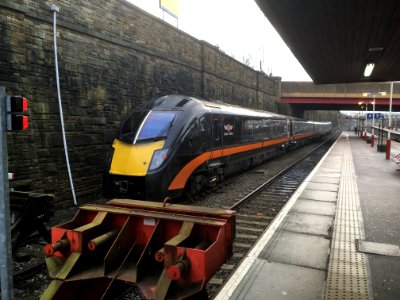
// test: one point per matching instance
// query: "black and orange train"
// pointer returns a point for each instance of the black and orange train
(177, 144)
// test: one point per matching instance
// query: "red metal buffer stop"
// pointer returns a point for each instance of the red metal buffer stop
(167, 251)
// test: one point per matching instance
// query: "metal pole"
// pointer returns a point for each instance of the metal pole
(366, 113)
(390, 108)
(373, 115)
(373, 123)
(388, 142)
(6, 274)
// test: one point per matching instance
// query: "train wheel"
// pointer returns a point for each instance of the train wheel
(195, 185)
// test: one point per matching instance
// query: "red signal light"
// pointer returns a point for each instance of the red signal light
(17, 122)
(24, 104)
(17, 112)
(25, 123)
(17, 104)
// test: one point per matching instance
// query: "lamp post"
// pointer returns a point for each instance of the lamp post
(366, 115)
(360, 130)
(363, 134)
(388, 141)
(373, 123)
(373, 113)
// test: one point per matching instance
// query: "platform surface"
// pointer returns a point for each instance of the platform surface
(336, 238)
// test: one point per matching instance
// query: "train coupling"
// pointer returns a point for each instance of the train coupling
(166, 250)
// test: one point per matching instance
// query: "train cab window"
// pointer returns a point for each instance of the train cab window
(156, 126)
(131, 125)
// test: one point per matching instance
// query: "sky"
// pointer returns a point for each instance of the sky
(237, 27)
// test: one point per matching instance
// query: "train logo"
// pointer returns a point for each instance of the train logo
(228, 129)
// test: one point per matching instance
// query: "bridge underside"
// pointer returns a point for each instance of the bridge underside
(334, 40)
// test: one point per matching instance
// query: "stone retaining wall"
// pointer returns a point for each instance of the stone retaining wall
(112, 57)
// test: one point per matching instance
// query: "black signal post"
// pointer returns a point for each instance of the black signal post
(14, 113)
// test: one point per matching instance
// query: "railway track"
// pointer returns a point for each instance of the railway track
(258, 204)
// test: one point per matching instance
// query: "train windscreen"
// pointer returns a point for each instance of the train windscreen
(155, 126)
(131, 125)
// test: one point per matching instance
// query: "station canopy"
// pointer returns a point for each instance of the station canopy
(335, 40)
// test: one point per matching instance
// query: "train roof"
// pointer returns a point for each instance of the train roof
(181, 102)
(237, 110)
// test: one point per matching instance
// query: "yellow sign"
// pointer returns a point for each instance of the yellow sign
(170, 6)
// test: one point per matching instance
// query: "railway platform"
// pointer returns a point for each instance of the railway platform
(337, 237)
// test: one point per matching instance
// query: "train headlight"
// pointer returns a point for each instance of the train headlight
(159, 157)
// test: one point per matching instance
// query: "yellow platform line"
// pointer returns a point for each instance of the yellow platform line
(348, 270)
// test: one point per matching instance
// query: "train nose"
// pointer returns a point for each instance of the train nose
(128, 187)
(133, 160)
(122, 186)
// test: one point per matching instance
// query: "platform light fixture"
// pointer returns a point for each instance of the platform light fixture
(375, 49)
(368, 69)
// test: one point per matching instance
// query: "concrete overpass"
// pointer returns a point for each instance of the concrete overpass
(303, 96)
(335, 40)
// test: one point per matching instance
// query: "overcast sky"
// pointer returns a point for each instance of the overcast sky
(239, 28)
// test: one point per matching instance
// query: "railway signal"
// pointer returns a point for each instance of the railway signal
(17, 113)
(6, 278)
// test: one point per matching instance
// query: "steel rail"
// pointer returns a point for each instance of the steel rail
(279, 174)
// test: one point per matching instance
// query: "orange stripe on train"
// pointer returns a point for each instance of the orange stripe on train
(181, 178)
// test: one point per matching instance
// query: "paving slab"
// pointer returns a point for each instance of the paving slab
(315, 207)
(319, 195)
(308, 223)
(324, 179)
(270, 280)
(330, 187)
(378, 248)
(298, 249)
(328, 174)
(329, 170)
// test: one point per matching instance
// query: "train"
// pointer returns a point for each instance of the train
(176, 145)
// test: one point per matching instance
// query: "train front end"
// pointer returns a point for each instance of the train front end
(137, 163)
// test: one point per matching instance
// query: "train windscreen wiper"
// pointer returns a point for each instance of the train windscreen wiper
(164, 132)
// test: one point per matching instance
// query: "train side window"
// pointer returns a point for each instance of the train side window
(216, 129)
(282, 128)
(248, 130)
(238, 129)
(202, 124)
